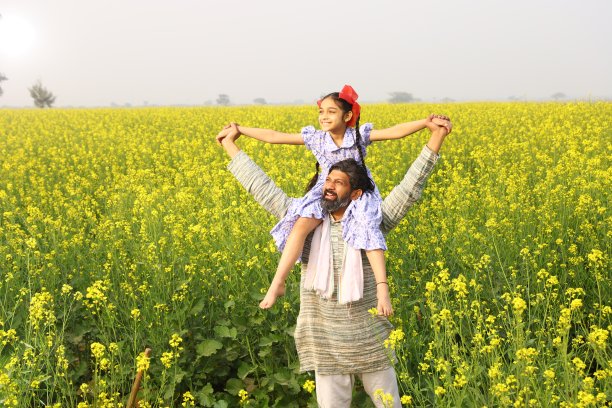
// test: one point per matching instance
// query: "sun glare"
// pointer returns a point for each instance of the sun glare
(17, 36)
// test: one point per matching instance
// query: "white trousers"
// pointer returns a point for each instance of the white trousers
(336, 390)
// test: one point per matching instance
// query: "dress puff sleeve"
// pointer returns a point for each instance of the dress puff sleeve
(365, 130)
(308, 134)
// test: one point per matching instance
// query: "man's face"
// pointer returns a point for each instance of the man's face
(337, 192)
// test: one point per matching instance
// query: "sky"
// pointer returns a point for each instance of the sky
(98, 53)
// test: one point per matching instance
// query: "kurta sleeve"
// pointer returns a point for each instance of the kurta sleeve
(408, 191)
(259, 185)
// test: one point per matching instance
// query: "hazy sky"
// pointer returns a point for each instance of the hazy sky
(92, 53)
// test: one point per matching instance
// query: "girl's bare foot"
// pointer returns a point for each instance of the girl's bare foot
(275, 290)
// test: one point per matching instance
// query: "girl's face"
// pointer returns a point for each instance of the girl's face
(331, 117)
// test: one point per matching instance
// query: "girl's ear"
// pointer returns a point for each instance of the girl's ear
(348, 116)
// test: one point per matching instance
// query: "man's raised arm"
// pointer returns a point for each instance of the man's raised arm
(255, 180)
(408, 191)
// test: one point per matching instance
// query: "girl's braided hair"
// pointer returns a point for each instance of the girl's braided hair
(345, 107)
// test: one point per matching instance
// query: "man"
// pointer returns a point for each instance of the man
(340, 341)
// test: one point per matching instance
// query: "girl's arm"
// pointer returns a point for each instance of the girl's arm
(408, 128)
(272, 136)
(397, 131)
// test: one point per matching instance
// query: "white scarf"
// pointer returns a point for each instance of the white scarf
(320, 269)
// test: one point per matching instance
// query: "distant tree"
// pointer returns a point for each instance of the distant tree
(223, 100)
(2, 78)
(558, 95)
(259, 101)
(42, 97)
(400, 97)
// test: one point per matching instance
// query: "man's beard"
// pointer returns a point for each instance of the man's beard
(331, 206)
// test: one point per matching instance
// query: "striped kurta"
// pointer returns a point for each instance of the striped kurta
(331, 338)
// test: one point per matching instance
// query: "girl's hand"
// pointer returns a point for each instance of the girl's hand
(440, 117)
(383, 306)
(434, 122)
(234, 133)
(225, 132)
(221, 135)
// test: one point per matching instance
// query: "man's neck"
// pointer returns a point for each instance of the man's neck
(338, 214)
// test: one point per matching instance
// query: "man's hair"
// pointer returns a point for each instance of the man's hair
(357, 174)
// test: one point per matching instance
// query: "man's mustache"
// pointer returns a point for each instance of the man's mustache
(328, 191)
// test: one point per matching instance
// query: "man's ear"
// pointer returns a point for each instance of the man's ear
(355, 194)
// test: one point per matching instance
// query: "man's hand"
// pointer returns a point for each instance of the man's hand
(434, 122)
(233, 133)
(227, 138)
(438, 131)
(225, 132)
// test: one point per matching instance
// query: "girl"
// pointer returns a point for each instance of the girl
(340, 138)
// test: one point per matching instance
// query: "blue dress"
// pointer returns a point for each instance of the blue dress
(362, 219)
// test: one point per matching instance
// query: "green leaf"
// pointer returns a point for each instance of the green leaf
(221, 331)
(208, 347)
(244, 370)
(234, 385)
(255, 294)
(168, 392)
(232, 353)
(224, 331)
(266, 341)
(229, 304)
(283, 377)
(198, 307)
(264, 352)
(205, 396)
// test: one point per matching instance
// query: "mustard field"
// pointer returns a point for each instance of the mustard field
(121, 229)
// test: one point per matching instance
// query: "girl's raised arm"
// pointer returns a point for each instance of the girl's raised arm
(408, 128)
(397, 131)
(272, 136)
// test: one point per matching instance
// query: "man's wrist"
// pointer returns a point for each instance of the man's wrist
(230, 147)
(435, 141)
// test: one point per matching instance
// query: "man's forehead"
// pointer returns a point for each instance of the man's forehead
(338, 175)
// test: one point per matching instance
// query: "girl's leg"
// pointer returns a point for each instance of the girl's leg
(291, 253)
(377, 261)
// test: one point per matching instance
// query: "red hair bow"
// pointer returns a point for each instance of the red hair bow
(348, 94)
